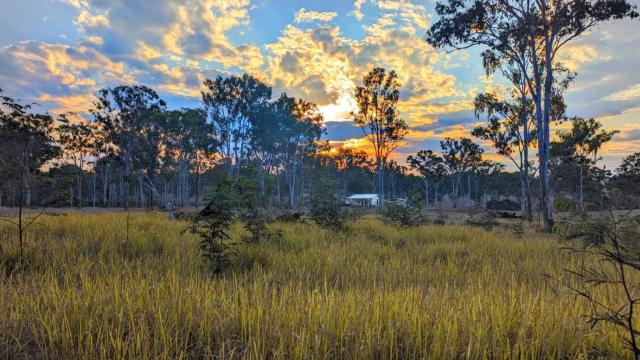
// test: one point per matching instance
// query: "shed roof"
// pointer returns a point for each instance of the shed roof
(363, 196)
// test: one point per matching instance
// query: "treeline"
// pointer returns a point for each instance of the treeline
(135, 151)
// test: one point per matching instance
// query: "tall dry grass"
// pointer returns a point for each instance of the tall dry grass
(375, 291)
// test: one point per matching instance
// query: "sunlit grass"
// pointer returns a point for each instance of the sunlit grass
(375, 291)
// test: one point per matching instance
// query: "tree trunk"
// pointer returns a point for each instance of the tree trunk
(426, 191)
(197, 182)
(380, 171)
(527, 210)
(547, 210)
(156, 195)
(581, 197)
(94, 195)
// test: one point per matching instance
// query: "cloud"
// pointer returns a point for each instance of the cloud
(324, 65)
(86, 20)
(303, 16)
(173, 45)
(357, 9)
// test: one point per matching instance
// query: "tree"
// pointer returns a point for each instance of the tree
(26, 145)
(461, 156)
(190, 140)
(230, 102)
(627, 178)
(509, 131)
(265, 127)
(529, 35)
(487, 169)
(378, 117)
(583, 142)
(121, 112)
(430, 165)
(299, 129)
(76, 140)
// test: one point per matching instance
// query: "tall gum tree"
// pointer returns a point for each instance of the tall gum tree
(378, 117)
(529, 34)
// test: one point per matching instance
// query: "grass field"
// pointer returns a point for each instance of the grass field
(375, 291)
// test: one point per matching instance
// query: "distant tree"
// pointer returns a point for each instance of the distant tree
(486, 169)
(230, 102)
(299, 130)
(461, 156)
(355, 170)
(627, 177)
(77, 145)
(122, 112)
(530, 36)
(378, 117)
(511, 135)
(190, 140)
(630, 165)
(430, 165)
(583, 142)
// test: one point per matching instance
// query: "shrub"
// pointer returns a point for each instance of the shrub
(393, 213)
(505, 204)
(255, 221)
(564, 204)
(613, 242)
(482, 220)
(326, 213)
(325, 208)
(213, 225)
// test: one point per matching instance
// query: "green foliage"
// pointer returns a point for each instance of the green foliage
(564, 204)
(613, 241)
(255, 221)
(325, 207)
(396, 214)
(482, 220)
(213, 225)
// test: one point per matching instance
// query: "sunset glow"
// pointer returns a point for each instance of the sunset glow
(60, 52)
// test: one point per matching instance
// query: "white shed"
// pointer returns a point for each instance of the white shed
(364, 200)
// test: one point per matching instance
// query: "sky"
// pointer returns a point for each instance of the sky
(58, 53)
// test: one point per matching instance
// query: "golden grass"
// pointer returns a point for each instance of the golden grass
(376, 292)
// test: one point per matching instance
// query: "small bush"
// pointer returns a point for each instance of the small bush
(327, 213)
(505, 204)
(393, 213)
(564, 204)
(255, 221)
(482, 220)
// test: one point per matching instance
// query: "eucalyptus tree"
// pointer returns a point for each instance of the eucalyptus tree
(299, 131)
(510, 135)
(122, 112)
(190, 139)
(377, 115)
(627, 177)
(529, 35)
(229, 103)
(486, 169)
(461, 156)
(584, 140)
(431, 167)
(26, 145)
(77, 145)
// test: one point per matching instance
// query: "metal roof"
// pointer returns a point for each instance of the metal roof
(363, 196)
